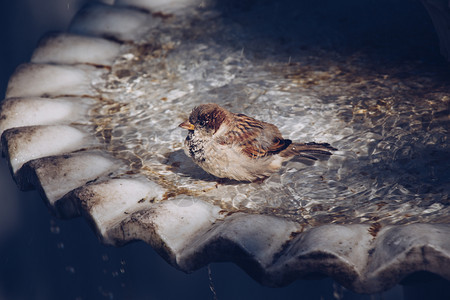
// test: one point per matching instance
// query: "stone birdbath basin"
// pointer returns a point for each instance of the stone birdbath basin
(91, 122)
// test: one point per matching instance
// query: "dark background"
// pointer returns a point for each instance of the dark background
(45, 258)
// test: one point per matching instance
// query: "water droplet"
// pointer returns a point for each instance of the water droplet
(60, 245)
(122, 270)
(115, 274)
(106, 294)
(70, 269)
(105, 257)
(55, 229)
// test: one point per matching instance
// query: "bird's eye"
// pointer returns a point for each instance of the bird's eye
(202, 123)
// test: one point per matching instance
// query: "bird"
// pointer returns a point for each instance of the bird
(239, 147)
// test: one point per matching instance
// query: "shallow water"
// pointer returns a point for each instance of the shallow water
(387, 113)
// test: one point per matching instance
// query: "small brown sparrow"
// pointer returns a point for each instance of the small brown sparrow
(235, 146)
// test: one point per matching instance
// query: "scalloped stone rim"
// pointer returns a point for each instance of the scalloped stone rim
(47, 152)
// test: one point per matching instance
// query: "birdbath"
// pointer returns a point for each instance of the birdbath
(92, 123)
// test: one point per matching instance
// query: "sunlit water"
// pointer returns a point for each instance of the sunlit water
(388, 117)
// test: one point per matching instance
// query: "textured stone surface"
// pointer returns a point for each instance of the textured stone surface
(161, 6)
(108, 203)
(92, 124)
(66, 48)
(112, 22)
(58, 175)
(42, 111)
(23, 144)
(35, 80)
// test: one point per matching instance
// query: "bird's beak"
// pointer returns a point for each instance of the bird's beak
(187, 125)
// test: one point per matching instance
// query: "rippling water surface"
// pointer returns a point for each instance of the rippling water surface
(387, 113)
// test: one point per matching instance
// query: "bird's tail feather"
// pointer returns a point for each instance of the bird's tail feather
(312, 151)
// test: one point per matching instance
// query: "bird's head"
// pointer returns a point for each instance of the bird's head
(205, 119)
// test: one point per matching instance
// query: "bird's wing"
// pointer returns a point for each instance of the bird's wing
(256, 138)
